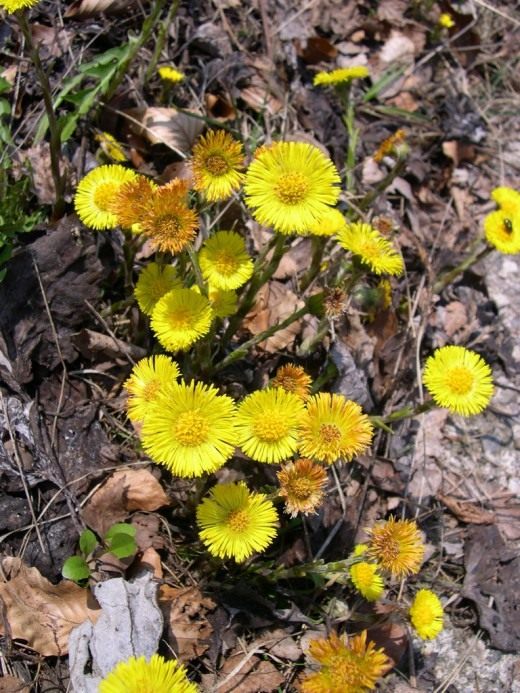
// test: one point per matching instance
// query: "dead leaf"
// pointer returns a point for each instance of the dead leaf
(398, 49)
(150, 560)
(467, 512)
(125, 491)
(176, 129)
(315, 49)
(82, 9)
(393, 638)
(274, 302)
(92, 344)
(41, 613)
(184, 610)
(253, 675)
(459, 151)
(10, 684)
(219, 107)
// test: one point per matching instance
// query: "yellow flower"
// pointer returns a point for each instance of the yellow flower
(502, 230)
(223, 303)
(333, 427)
(167, 219)
(217, 160)
(13, 5)
(267, 425)
(293, 378)
(360, 549)
(131, 201)
(507, 199)
(235, 522)
(290, 185)
(426, 614)
(342, 75)
(148, 377)
(154, 281)
(190, 428)
(224, 261)
(302, 485)
(180, 318)
(170, 74)
(137, 675)
(367, 580)
(329, 223)
(372, 248)
(110, 146)
(96, 192)
(458, 379)
(397, 546)
(446, 20)
(347, 665)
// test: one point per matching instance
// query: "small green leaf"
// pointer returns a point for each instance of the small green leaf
(75, 568)
(120, 528)
(87, 542)
(122, 545)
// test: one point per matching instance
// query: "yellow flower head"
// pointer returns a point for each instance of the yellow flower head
(389, 145)
(235, 522)
(426, 614)
(110, 147)
(154, 281)
(217, 161)
(224, 261)
(372, 248)
(397, 546)
(13, 5)
(224, 303)
(347, 666)
(302, 485)
(96, 192)
(170, 74)
(290, 185)
(148, 377)
(329, 223)
(131, 201)
(137, 675)
(343, 75)
(458, 379)
(446, 20)
(267, 424)
(367, 580)
(293, 378)
(190, 428)
(333, 427)
(167, 219)
(502, 230)
(507, 199)
(180, 318)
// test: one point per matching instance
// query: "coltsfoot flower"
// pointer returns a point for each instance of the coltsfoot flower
(153, 282)
(427, 614)
(180, 318)
(137, 675)
(167, 219)
(367, 580)
(372, 248)
(302, 485)
(343, 75)
(95, 194)
(293, 378)
(217, 162)
(397, 546)
(14, 5)
(502, 231)
(224, 261)
(171, 74)
(148, 377)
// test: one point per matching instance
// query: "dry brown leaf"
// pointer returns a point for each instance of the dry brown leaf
(467, 512)
(150, 559)
(184, 610)
(82, 9)
(41, 613)
(274, 303)
(254, 675)
(176, 129)
(10, 684)
(125, 491)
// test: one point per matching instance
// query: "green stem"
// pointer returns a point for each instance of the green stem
(407, 412)
(199, 280)
(318, 247)
(161, 39)
(353, 136)
(447, 277)
(308, 345)
(371, 196)
(54, 128)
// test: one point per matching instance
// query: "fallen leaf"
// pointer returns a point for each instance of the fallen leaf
(122, 493)
(150, 560)
(10, 684)
(219, 107)
(315, 49)
(82, 9)
(184, 610)
(398, 49)
(39, 612)
(467, 512)
(274, 302)
(252, 675)
(176, 129)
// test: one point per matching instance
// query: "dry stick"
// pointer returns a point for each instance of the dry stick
(122, 347)
(447, 277)
(21, 471)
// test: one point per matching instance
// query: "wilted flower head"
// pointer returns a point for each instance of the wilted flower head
(335, 302)
(426, 614)
(293, 378)
(167, 220)
(130, 202)
(217, 162)
(302, 485)
(397, 546)
(389, 145)
(137, 675)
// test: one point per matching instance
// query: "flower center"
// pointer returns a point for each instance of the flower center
(225, 263)
(103, 196)
(168, 225)
(389, 549)
(150, 390)
(460, 380)
(238, 521)
(269, 428)
(216, 165)
(369, 249)
(302, 488)
(190, 429)
(292, 188)
(330, 433)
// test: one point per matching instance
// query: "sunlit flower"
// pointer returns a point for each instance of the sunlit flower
(446, 20)
(347, 665)
(110, 146)
(397, 546)
(329, 223)
(153, 282)
(342, 75)
(217, 161)
(372, 248)
(95, 193)
(267, 424)
(290, 185)
(223, 303)
(170, 74)
(333, 427)
(167, 220)
(130, 202)
(148, 377)
(502, 230)
(458, 379)
(302, 485)
(293, 378)
(137, 675)
(389, 145)
(427, 614)
(180, 318)
(190, 428)
(507, 199)
(235, 522)
(13, 5)
(367, 580)
(224, 261)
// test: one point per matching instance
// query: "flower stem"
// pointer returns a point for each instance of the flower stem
(161, 39)
(318, 247)
(199, 280)
(353, 135)
(447, 277)
(407, 412)
(371, 196)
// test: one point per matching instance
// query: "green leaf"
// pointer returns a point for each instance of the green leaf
(75, 568)
(87, 542)
(120, 528)
(386, 78)
(4, 85)
(122, 545)
(5, 107)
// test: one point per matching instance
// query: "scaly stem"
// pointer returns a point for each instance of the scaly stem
(54, 128)
(353, 135)
(199, 280)
(382, 185)
(447, 277)
(407, 412)
(318, 248)
(161, 39)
